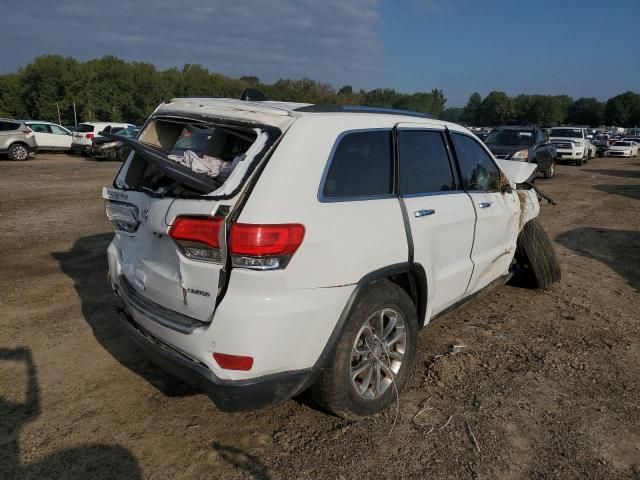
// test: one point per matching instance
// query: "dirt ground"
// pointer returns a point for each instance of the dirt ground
(548, 382)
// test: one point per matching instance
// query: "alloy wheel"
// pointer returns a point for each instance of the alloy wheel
(378, 353)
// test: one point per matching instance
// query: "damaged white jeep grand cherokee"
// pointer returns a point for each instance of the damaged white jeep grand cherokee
(335, 234)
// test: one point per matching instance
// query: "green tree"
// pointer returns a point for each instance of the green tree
(471, 113)
(623, 110)
(586, 111)
(495, 109)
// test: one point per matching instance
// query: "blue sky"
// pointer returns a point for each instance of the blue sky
(578, 47)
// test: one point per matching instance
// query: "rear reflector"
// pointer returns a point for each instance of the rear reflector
(233, 362)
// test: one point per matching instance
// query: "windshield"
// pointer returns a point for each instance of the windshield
(566, 132)
(510, 137)
(622, 144)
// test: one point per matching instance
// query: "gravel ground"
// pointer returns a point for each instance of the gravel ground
(547, 384)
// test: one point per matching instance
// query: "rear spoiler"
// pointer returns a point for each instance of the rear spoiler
(171, 169)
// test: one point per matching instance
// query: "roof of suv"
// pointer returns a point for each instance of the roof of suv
(277, 113)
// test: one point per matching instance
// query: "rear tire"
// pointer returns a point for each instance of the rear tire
(536, 259)
(354, 395)
(18, 152)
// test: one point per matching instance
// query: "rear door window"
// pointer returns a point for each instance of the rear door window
(424, 163)
(40, 127)
(58, 130)
(479, 173)
(361, 166)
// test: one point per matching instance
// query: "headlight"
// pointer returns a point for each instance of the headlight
(520, 155)
(110, 144)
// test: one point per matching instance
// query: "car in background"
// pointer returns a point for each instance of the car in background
(85, 132)
(601, 142)
(572, 144)
(17, 141)
(524, 144)
(50, 136)
(108, 148)
(623, 149)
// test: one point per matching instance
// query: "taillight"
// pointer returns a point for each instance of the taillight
(233, 362)
(90, 136)
(198, 237)
(264, 247)
(123, 216)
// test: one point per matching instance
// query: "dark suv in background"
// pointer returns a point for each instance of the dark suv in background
(525, 144)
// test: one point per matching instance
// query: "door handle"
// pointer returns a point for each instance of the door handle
(484, 204)
(423, 213)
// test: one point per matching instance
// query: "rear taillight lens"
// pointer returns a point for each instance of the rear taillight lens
(233, 362)
(198, 237)
(90, 136)
(264, 247)
(123, 216)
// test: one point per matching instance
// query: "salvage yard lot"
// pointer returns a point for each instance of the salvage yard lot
(548, 382)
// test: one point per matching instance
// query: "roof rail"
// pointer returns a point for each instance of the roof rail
(328, 108)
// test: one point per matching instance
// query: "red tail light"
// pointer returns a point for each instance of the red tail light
(90, 136)
(263, 240)
(199, 237)
(233, 362)
(264, 247)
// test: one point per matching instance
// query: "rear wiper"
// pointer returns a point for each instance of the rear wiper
(168, 167)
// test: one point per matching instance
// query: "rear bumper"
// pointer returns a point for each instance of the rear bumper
(80, 147)
(228, 395)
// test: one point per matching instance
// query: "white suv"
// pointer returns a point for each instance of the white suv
(262, 248)
(84, 134)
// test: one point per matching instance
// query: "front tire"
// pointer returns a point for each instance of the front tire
(549, 172)
(374, 356)
(18, 152)
(536, 259)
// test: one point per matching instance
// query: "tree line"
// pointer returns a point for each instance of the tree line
(111, 89)
(498, 108)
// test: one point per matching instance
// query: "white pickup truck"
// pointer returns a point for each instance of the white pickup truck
(573, 144)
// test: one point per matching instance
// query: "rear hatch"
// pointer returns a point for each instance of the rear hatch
(152, 263)
(158, 185)
(83, 134)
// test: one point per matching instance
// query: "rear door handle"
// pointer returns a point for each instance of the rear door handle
(484, 204)
(423, 213)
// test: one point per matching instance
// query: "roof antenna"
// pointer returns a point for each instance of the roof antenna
(252, 95)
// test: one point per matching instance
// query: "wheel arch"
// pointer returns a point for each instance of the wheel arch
(411, 277)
